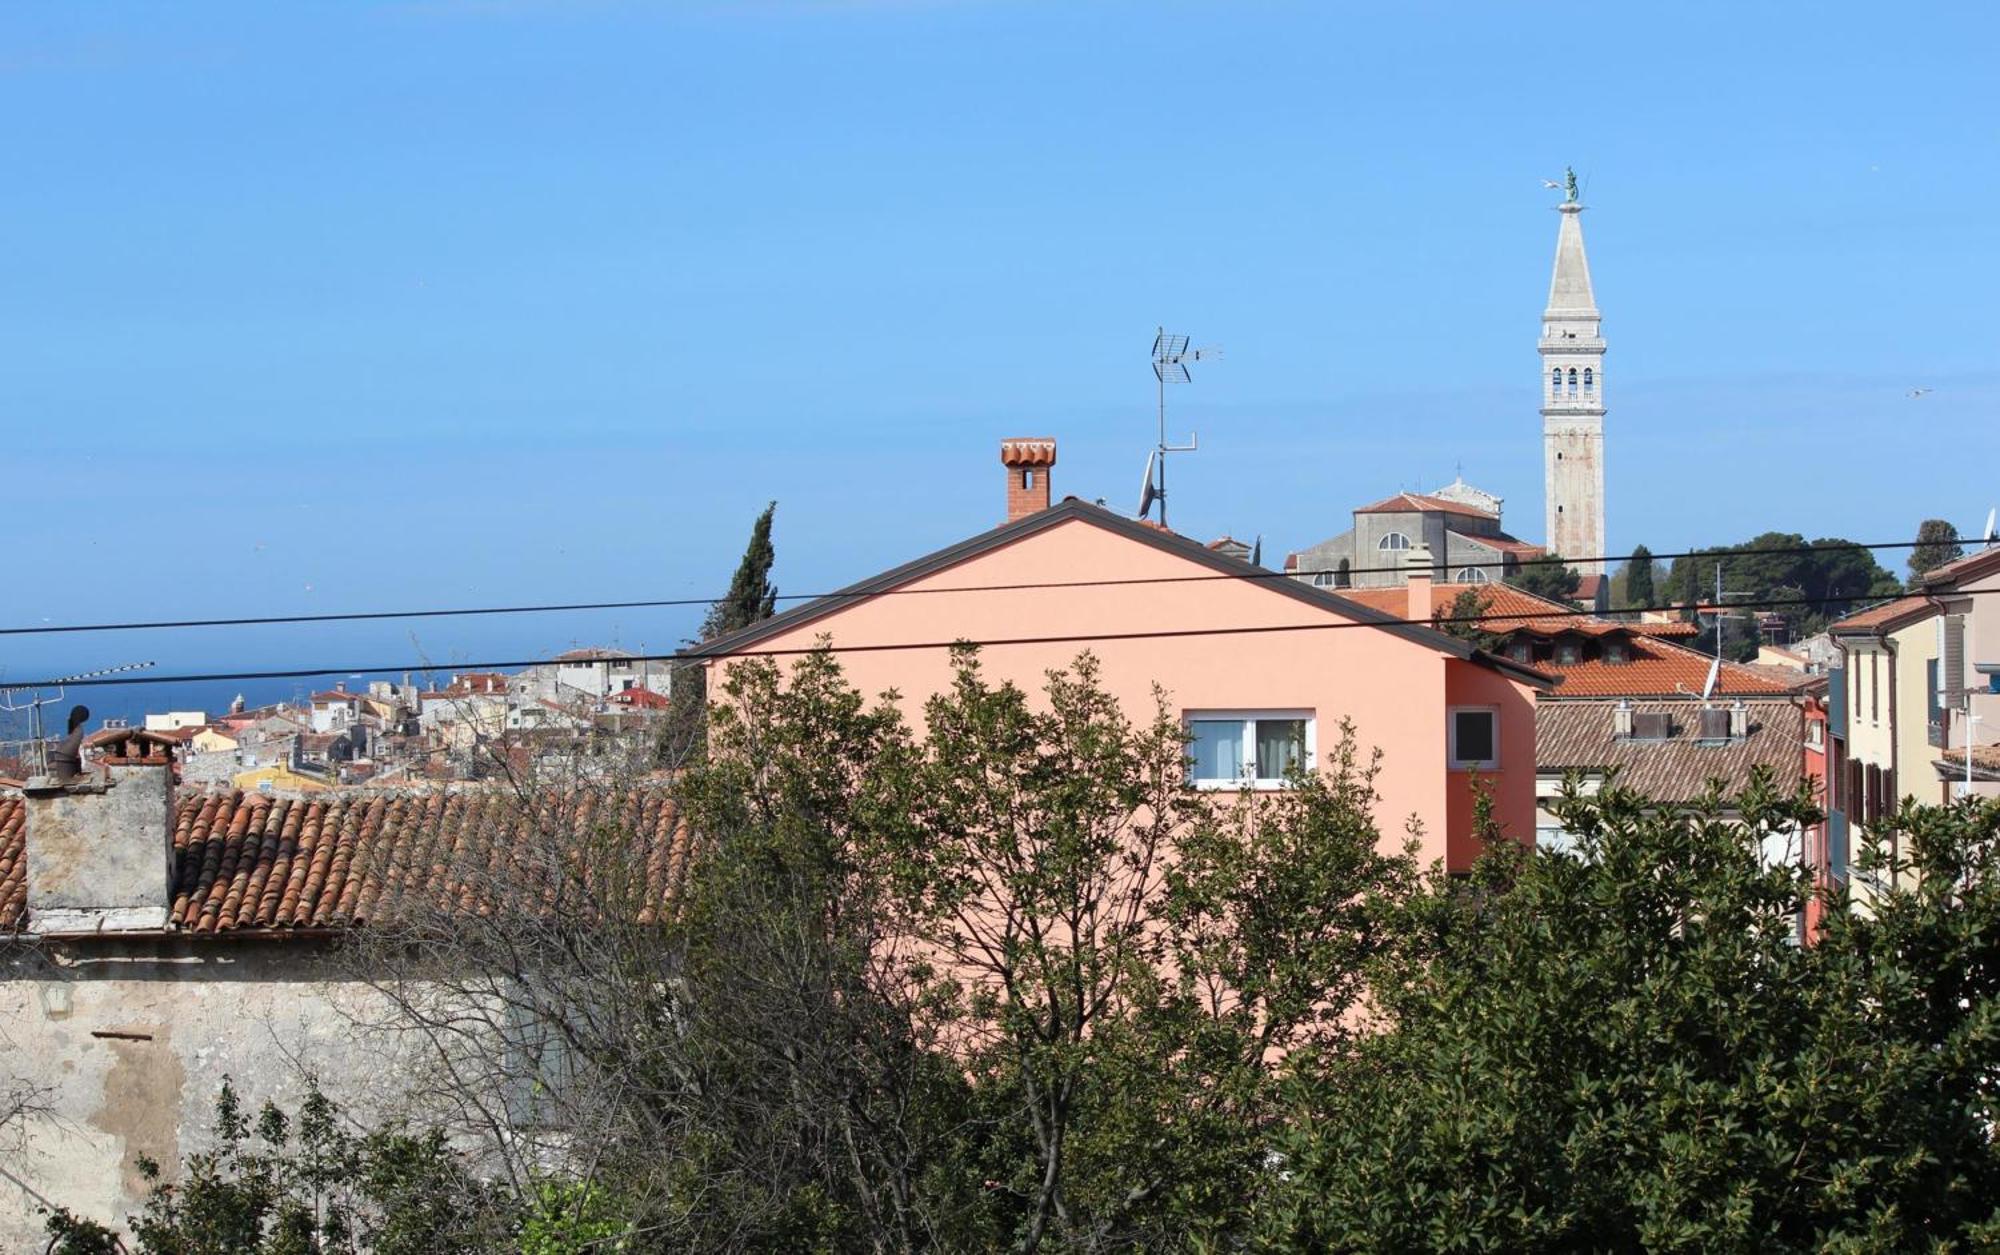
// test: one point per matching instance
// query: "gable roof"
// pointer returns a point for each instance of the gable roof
(1579, 736)
(1074, 510)
(1656, 667)
(1416, 502)
(246, 864)
(1970, 567)
(1885, 617)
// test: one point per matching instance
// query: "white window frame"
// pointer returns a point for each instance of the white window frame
(1248, 718)
(1452, 759)
(1407, 544)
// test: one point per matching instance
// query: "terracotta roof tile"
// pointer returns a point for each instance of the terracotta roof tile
(1657, 667)
(1406, 502)
(1888, 614)
(1971, 566)
(1579, 735)
(245, 863)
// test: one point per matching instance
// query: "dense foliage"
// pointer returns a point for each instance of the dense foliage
(1937, 544)
(1624, 1047)
(1808, 584)
(1546, 576)
(1639, 590)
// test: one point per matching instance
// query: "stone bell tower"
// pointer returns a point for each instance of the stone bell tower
(1572, 352)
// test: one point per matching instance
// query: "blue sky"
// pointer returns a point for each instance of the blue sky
(315, 307)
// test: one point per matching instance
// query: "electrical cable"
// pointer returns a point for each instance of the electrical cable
(1435, 622)
(664, 603)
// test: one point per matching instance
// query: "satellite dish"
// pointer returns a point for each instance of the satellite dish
(1714, 673)
(1147, 493)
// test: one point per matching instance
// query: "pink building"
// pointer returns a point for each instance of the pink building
(1260, 667)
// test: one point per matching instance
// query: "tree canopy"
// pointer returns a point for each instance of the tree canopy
(1808, 584)
(1937, 544)
(1639, 578)
(1547, 577)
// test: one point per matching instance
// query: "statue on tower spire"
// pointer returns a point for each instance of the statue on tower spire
(1569, 184)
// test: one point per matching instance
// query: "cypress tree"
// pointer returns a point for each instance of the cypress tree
(1639, 578)
(751, 598)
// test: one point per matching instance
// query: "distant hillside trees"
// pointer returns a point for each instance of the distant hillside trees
(1809, 584)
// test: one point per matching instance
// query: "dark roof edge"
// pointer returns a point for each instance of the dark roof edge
(1075, 509)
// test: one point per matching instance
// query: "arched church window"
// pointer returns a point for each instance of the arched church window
(1588, 381)
(1556, 382)
(1394, 540)
(1472, 575)
(1572, 381)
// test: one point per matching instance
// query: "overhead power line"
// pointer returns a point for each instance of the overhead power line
(1077, 638)
(670, 602)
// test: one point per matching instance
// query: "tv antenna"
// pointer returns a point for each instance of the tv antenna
(1171, 356)
(11, 701)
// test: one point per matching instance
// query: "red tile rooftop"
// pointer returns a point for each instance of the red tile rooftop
(1408, 502)
(247, 864)
(1889, 615)
(1657, 666)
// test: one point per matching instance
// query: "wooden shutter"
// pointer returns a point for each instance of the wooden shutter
(1951, 660)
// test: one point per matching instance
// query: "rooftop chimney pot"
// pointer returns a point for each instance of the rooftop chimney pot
(1030, 460)
(1417, 565)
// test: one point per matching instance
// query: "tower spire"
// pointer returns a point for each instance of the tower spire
(1572, 356)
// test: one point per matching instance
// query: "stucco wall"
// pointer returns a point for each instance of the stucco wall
(1392, 688)
(130, 1043)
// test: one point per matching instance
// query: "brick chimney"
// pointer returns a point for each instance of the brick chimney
(1029, 461)
(100, 849)
(1417, 563)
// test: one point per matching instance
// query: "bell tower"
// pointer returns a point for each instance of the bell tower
(1572, 353)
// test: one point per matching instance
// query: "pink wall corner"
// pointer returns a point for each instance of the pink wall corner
(1512, 784)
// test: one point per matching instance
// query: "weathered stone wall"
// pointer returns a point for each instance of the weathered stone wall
(126, 1043)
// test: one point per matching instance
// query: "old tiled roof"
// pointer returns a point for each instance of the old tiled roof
(1505, 544)
(247, 864)
(1886, 616)
(1659, 668)
(1409, 502)
(1985, 762)
(1578, 735)
(1508, 607)
(13, 865)
(1656, 668)
(1971, 566)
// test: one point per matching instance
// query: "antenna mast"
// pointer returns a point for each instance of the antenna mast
(1171, 356)
(10, 702)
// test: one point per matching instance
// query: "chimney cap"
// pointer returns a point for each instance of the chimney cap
(133, 747)
(1028, 451)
